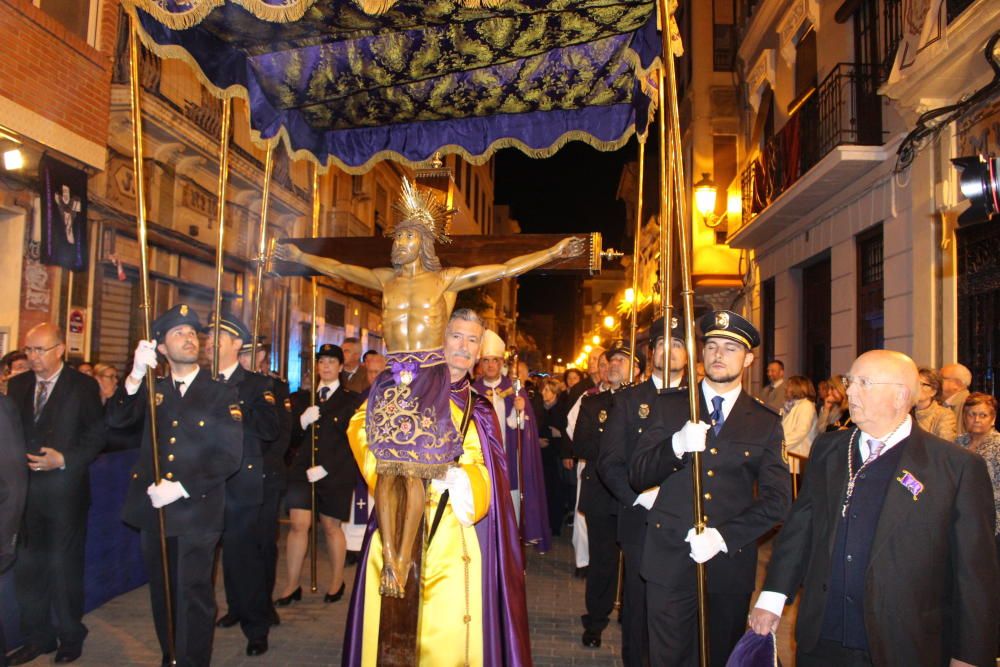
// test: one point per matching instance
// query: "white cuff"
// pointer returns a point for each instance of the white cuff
(132, 389)
(460, 495)
(647, 498)
(772, 602)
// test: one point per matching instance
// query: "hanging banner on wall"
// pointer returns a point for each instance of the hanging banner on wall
(64, 214)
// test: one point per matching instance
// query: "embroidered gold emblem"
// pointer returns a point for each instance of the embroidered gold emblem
(159, 398)
(184, 311)
(236, 413)
(288, 404)
(643, 410)
(784, 452)
(602, 416)
(269, 397)
(722, 320)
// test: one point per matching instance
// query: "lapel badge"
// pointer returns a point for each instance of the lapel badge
(288, 404)
(602, 416)
(722, 320)
(911, 484)
(784, 451)
(159, 398)
(643, 410)
(269, 397)
(184, 310)
(236, 413)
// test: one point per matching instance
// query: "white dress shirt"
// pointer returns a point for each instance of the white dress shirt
(728, 398)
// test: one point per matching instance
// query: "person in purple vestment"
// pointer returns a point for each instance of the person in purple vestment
(515, 414)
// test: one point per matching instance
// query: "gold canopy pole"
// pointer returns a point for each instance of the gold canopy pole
(687, 294)
(220, 220)
(666, 230)
(635, 264)
(140, 216)
(312, 390)
(261, 255)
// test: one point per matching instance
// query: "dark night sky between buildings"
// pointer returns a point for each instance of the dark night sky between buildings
(571, 192)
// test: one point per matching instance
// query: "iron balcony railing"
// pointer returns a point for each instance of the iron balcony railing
(844, 109)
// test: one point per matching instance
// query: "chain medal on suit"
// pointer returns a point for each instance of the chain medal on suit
(633, 410)
(601, 511)
(747, 452)
(244, 563)
(49, 569)
(200, 446)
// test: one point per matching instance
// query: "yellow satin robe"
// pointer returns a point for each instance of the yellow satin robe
(450, 625)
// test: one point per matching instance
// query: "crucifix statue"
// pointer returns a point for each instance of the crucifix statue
(408, 421)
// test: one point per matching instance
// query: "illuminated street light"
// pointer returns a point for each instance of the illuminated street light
(13, 159)
(596, 340)
(587, 349)
(629, 295)
(609, 322)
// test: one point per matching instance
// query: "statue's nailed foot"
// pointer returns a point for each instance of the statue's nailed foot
(389, 585)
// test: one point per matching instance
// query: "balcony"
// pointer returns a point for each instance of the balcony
(832, 138)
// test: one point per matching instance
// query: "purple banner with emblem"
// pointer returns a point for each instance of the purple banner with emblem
(64, 214)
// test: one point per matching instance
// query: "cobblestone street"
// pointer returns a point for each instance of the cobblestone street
(311, 632)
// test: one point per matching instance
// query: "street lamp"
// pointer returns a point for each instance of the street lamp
(629, 295)
(587, 349)
(609, 322)
(596, 340)
(704, 200)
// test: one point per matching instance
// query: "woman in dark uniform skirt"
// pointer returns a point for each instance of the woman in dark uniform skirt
(334, 475)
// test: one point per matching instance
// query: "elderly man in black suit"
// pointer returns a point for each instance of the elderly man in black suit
(746, 490)
(13, 488)
(890, 539)
(61, 415)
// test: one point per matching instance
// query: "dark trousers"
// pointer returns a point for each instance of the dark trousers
(602, 574)
(191, 558)
(827, 653)
(267, 537)
(244, 570)
(635, 636)
(48, 574)
(673, 625)
(554, 487)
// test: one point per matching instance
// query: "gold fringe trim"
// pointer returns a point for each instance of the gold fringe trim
(175, 52)
(407, 469)
(291, 10)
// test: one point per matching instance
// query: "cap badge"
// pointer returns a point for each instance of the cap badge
(602, 416)
(184, 310)
(722, 320)
(269, 397)
(159, 398)
(643, 410)
(673, 322)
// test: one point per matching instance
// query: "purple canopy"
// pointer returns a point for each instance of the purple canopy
(350, 88)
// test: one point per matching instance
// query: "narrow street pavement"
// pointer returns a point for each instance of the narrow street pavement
(311, 632)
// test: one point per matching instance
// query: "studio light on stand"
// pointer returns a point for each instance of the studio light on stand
(979, 181)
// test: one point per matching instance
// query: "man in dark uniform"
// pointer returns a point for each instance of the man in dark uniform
(744, 450)
(61, 414)
(632, 411)
(244, 566)
(200, 436)
(597, 503)
(275, 473)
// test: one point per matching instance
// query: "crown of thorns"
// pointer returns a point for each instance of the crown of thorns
(421, 208)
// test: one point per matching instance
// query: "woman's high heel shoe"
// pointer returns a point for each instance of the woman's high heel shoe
(295, 596)
(336, 596)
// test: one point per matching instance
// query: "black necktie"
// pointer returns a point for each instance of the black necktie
(323, 393)
(179, 386)
(718, 417)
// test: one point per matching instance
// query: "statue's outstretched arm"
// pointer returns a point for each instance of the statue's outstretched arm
(359, 275)
(480, 275)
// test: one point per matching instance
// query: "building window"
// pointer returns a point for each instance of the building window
(871, 303)
(767, 324)
(79, 18)
(724, 36)
(335, 313)
(724, 164)
(816, 329)
(805, 67)
(878, 27)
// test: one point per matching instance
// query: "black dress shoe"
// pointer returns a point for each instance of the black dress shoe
(295, 596)
(28, 652)
(580, 572)
(228, 621)
(591, 639)
(68, 654)
(336, 597)
(257, 647)
(274, 619)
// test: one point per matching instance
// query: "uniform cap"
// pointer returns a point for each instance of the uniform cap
(727, 324)
(179, 315)
(330, 350)
(232, 325)
(656, 330)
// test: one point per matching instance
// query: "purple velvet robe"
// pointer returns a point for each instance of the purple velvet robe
(506, 639)
(536, 509)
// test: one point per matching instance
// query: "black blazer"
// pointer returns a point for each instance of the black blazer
(275, 468)
(595, 498)
(333, 451)
(932, 585)
(72, 423)
(261, 428)
(631, 413)
(13, 479)
(200, 439)
(746, 487)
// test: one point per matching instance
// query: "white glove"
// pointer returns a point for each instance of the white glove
(705, 546)
(647, 498)
(166, 492)
(310, 415)
(143, 360)
(459, 488)
(316, 473)
(691, 438)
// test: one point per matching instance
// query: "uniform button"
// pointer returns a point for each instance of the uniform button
(169, 475)
(849, 599)
(170, 457)
(135, 475)
(704, 517)
(250, 466)
(640, 430)
(850, 558)
(174, 423)
(711, 473)
(657, 524)
(172, 440)
(201, 423)
(746, 452)
(862, 475)
(713, 450)
(315, 449)
(708, 496)
(336, 419)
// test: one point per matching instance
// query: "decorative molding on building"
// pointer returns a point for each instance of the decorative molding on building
(763, 73)
(798, 19)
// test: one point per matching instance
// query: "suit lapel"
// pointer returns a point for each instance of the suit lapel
(898, 501)
(55, 394)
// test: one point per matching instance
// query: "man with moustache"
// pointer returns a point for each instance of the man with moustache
(746, 491)
(475, 539)
(244, 563)
(632, 411)
(354, 376)
(200, 438)
(890, 539)
(61, 417)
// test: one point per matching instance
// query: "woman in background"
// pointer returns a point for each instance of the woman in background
(930, 414)
(798, 419)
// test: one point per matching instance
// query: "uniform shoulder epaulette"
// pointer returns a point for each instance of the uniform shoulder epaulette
(765, 406)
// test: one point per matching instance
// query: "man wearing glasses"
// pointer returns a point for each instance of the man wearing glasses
(890, 539)
(61, 415)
